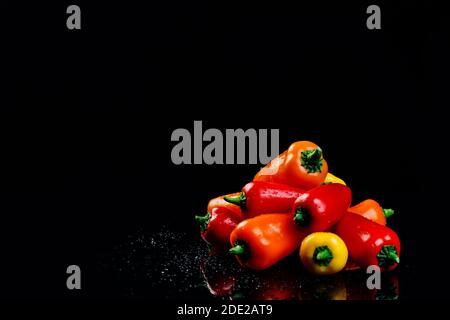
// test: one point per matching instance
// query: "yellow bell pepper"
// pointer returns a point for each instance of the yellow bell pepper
(323, 253)
(331, 178)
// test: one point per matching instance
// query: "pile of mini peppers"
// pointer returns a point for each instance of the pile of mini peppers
(294, 203)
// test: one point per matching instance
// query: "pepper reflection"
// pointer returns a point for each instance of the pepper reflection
(390, 288)
(220, 273)
(323, 288)
(289, 281)
(280, 282)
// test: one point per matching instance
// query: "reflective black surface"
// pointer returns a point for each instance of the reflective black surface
(86, 176)
(174, 265)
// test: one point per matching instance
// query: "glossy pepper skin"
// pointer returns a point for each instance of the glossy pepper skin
(323, 253)
(262, 241)
(368, 242)
(259, 198)
(217, 225)
(370, 209)
(301, 166)
(320, 208)
(220, 202)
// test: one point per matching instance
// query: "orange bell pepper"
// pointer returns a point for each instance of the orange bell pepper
(262, 241)
(301, 166)
(372, 210)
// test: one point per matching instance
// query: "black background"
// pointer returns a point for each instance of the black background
(87, 117)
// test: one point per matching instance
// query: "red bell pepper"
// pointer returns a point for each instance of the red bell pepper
(369, 243)
(220, 202)
(320, 208)
(216, 226)
(259, 197)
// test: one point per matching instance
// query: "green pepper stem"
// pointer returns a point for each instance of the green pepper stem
(394, 257)
(241, 249)
(302, 217)
(238, 250)
(388, 256)
(312, 160)
(315, 155)
(203, 221)
(237, 200)
(388, 212)
(322, 256)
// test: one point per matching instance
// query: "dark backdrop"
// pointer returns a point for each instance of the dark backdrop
(87, 118)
